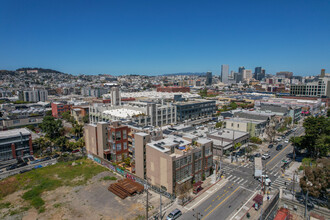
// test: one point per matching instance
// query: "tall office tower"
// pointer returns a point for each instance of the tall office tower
(208, 78)
(238, 77)
(224, 73)
(263, 74)
(257, 72)
(247, 74)
(322, 72)
(115, 96)
(240, 69)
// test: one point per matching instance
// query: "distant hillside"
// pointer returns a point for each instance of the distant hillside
(185, 74)
(40, 70)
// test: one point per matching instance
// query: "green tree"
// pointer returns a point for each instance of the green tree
(49, 113)
(233, 105)
(77, 130)
(86, 119)
(203, 92)
(328, 113)
(237, 145)
(316, 138)
(256, 140)
(52, 127)
(287, 121)
(219, 124)
(127, 161)
(62, 143)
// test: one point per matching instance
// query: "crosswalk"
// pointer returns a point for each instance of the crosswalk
(236, 179)
(281, 183)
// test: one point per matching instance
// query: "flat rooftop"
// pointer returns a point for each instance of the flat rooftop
(228, 134)
(14, 133)
(122, 112)
(164, 145)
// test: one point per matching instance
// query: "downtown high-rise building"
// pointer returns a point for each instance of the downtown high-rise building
(259, 73)
(240, 69)
(208, 79)
(224, 73)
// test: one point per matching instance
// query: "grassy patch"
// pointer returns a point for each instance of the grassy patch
(109, 178)
(49, 178)
(308, 161)
(57, 205)
(5, 205)
(282, 129)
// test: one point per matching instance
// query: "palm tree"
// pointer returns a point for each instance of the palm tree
(77, 130)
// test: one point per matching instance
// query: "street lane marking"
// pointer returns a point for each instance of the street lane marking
(244, 204)
(207, 196)
(220, 203)
(208, 207)
(278, 154)
(240, 181)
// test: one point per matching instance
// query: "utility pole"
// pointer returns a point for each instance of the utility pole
(160, 207)
(197, 215)
(147, 203)
(306, 204)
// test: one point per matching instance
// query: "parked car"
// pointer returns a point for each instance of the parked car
(23, 171)
(14, 166)
(35, 161)
(75, 151)
(56, 156)
(251, 159)
(37, 166)
(279, 139)
(270, 146)
(265, 156)
(257, 155)
(279, 147)
(22, 164)
(286, 141)
(174, 214)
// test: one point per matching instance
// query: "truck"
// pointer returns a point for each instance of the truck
(257, 167)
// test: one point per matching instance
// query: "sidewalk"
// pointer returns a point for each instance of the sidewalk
(248, 207)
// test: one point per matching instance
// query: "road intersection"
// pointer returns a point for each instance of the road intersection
(239, 185)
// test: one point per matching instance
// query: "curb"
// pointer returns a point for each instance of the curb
(204, 190)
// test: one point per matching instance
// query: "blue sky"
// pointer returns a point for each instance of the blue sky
(169, 36)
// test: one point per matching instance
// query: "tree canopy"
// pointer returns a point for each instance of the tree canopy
(52, 127)
(316, 140)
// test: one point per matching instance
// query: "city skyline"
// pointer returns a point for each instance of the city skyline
(154, 38)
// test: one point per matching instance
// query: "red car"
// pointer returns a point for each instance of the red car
(75, 151)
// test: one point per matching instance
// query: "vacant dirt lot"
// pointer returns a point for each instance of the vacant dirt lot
(89, 200)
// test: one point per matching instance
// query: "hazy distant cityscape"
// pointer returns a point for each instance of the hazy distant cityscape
(150, 110)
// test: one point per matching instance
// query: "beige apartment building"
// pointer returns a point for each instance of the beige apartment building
(172, 161)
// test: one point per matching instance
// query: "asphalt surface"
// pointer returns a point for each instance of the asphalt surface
(241, 185)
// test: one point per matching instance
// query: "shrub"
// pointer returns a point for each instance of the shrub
(109, 178)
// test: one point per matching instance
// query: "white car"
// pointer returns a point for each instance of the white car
(286, 141)
(265, 156)
(279, 139)
(265, 179)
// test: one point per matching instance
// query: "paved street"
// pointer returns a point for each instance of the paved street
(241, 185)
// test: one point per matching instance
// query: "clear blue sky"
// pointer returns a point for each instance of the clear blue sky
(169, 36)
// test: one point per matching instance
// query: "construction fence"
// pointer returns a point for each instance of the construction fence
(129, 175)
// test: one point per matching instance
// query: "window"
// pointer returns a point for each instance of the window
(237, 125)
(113, 136)
(119, 147)
(114, 147)
(124, 134)
(177, 164)
(118, 136)
(125, 145)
